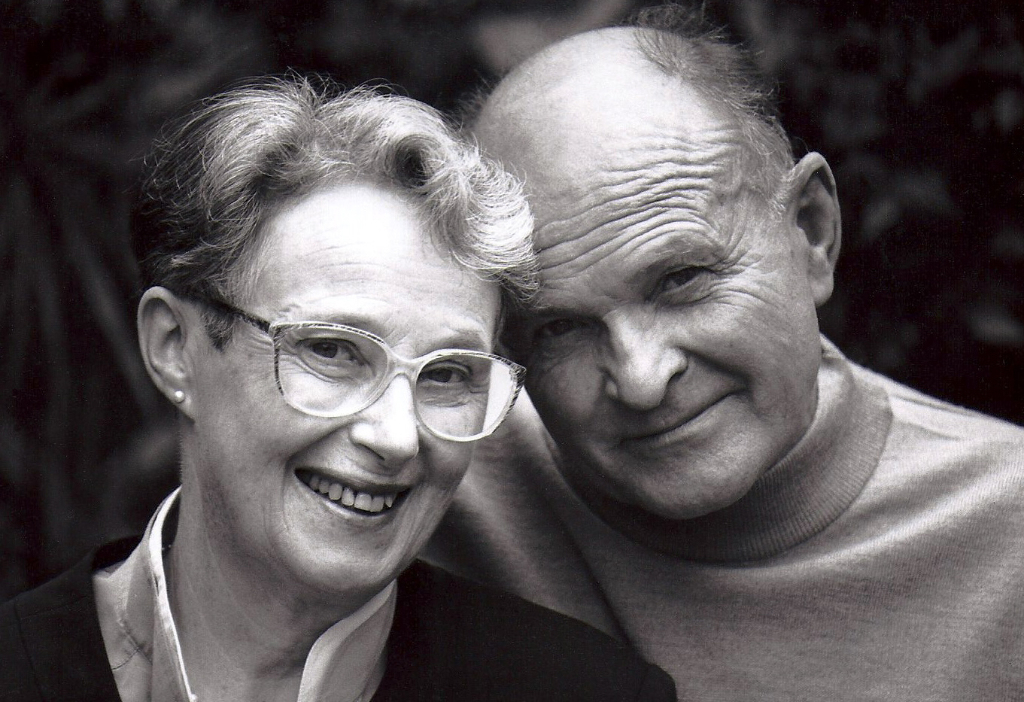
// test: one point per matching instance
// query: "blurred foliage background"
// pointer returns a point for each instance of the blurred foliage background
(918, 105)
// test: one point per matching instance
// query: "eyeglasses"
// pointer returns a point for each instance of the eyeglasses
(334, 370)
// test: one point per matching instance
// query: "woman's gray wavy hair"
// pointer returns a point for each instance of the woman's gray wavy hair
(217, 175)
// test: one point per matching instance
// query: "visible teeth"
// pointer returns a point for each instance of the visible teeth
(363, 501)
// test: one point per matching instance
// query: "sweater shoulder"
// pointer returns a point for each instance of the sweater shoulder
(930, 416)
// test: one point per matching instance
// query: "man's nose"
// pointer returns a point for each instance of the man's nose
(642, 360)
(389, 426)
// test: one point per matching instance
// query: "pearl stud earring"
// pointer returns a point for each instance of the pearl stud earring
(179, 395)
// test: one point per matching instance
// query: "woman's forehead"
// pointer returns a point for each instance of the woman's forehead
(362, 252)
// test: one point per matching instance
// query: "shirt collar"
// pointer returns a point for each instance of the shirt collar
(345, 663)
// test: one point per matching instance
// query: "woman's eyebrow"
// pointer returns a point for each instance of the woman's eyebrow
(458, 338)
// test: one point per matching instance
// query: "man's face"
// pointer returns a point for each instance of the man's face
(673, 349)
(356, 255)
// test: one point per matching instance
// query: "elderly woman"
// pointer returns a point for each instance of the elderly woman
(325, 276)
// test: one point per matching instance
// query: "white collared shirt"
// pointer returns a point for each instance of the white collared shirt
(345, 664)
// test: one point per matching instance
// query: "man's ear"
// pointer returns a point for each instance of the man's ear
(813, 208)
(164, 324)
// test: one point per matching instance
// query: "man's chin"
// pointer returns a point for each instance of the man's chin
(663, 490)
(648, 513)
(628, 503)
(658, 508)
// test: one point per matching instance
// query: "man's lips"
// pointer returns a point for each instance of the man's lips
(352, 497)
(665, 427)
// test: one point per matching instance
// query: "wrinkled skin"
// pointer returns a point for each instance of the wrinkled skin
(260, 558)
(674, 348)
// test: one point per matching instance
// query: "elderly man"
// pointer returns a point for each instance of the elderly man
(721, 487)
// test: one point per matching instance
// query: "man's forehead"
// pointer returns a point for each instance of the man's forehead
(590, 125)
(557, 119)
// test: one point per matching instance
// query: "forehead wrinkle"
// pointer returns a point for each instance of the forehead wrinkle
(710, 152)
(635, 202)
(662, 242)
(626, 231)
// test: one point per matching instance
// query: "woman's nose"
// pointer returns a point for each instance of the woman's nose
(389, 427)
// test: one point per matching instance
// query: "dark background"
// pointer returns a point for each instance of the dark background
(918, 105)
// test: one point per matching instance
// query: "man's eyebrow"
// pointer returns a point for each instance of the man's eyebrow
(681, 248)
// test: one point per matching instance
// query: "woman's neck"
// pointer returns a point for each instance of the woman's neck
(240, 639)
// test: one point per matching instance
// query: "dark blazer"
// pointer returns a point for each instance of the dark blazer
(451, 640)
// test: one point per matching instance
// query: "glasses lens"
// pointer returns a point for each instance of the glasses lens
(465, 395)
(327, 371)
(331, 371)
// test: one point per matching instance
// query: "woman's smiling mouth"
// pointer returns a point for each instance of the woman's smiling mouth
(347, 496)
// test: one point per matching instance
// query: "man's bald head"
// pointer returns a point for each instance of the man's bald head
(555, 115)
(623, 73)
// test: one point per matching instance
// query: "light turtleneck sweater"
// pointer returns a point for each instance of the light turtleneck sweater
(881, 559)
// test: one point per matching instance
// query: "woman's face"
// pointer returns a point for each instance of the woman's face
(357, 255)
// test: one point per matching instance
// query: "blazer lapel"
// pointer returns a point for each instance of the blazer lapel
(61, 634)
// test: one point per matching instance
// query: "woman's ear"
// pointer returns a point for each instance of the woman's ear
(812, 207)
(164, 324)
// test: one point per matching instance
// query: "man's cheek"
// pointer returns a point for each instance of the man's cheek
(564, 392)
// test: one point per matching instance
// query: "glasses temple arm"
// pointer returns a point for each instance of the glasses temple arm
(224, 307)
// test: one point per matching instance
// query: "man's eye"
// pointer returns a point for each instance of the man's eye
(676, 279)
(556, 327)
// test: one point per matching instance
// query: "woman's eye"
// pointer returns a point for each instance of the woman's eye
(331, 349)
(444, 375)
(324, 349)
